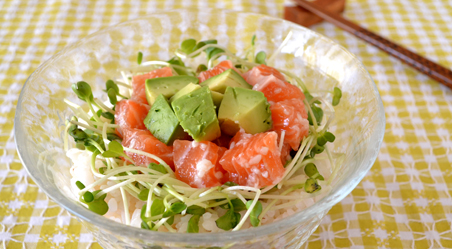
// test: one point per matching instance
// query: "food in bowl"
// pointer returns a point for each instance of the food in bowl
(201, 148)
(41, 113)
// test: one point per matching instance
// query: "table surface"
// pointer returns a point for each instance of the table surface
(403, 202)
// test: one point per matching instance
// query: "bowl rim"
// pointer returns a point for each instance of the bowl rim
(202, 238)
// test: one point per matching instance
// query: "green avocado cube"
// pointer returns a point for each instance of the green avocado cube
(162, 122)
(187, 89)
(244, 108)
(196, 114)
(227, 78)
(168, 86)
(216, 96)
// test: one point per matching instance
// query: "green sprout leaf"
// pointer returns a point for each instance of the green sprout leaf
(325, 137)
(309, 97)
(146, 221)
(73, 126)
(157, 207)
(83, 91)
(158, 167)
(78, 135)
(139, 58)
(88, 197)
(195, 210)
(99, 113)
(188, 46)
(211, 52)
(201, 68)
(317, 149)
(111, 93)
(170, 221)
(168, 213)
(253, 39)
(102, 197)
(110, 84)
(198, 46)
(311, 186)
(147, 225)
(311, 170)
(90, 145)
(329, 137)
(337, 96)
(254, 215)
(98, 206)
(143, 213)
(178, 62)
(321, 140)
(80, 146)
(93, 141)
(318, 114)
(193, 224)
(237, 205)
(112, 90)
(115, 149)
(260, 58)
(212, 41)
(143, 195)
(80, 185)
(102, 170)
(176, 208)
(113, 136)
(108, 115)
(229, 220)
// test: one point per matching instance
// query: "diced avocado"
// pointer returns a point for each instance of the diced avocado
(187, 89)
(167, 86)
(162, 122)
(227, 78)
(196, 114)
(216, 96)
(244, 108)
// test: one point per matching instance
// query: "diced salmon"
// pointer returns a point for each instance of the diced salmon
(221, 67)
(138, 82)
(254, 160)
(241, 134)
(276, 90)
(223, 177)
(258, 73)
(285, 153)
(143, 140)
(130, 114)
(290, 116)
(196, 163)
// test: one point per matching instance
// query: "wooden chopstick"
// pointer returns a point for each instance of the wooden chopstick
(422, 64)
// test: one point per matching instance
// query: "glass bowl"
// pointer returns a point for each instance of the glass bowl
(320, 62)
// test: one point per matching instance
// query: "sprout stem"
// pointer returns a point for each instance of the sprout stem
(126, 206)
(103, 106)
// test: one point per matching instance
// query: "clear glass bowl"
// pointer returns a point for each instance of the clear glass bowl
(320, 62)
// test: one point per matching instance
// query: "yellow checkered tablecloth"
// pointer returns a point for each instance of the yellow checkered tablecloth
(403, 202)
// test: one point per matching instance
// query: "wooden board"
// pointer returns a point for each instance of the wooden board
(303, 17)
